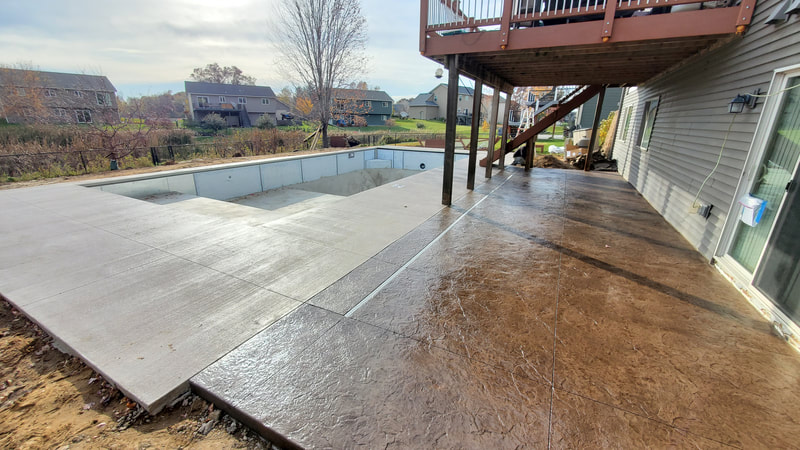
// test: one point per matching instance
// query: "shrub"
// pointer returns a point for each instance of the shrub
(175, 137)
(215, 122)
(359, 121)
(390, 123)
(265, 122)
(420, 125)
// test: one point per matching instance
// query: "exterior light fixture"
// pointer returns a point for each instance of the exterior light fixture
(740, 101)
(439, 73)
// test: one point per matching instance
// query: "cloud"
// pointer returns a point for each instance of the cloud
(158, 43)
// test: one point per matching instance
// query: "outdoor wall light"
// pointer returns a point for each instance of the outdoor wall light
(439, 73)
(740, 101)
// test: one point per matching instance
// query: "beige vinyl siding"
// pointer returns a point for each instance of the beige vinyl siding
(692, 121)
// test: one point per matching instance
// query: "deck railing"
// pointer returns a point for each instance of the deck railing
(461, 16)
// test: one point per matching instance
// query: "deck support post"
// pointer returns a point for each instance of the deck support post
(504, 138)
(492, 131)
(450, 129)
(597, 111)
(530, 152)
(473, 135)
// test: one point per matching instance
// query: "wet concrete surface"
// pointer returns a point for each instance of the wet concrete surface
(545, 309)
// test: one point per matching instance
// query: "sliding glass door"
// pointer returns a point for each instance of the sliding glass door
(771, 249)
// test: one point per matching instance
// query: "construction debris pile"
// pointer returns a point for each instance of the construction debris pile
(598, 162)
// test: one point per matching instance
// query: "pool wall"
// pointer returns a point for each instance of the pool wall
(222, 182)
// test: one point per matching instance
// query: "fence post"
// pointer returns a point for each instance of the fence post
(83, 160)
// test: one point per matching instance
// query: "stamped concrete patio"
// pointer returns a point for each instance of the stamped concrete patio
(544, 309)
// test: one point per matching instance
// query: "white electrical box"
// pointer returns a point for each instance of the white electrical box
(752, 209)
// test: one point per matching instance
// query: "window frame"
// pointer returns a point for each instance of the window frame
(83, 114)
(78, 94)
(49, 93)
(241, 100)
(103, 98)
(626, 123)
(265, 101)
(648, 122)
(203, 101)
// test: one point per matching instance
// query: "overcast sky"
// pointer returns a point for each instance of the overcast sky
(150, 46)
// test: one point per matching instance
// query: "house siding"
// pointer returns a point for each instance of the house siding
(423, 112)
(692, 121)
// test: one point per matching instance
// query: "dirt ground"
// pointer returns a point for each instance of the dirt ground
(49, 399)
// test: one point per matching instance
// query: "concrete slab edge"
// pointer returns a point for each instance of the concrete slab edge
(246, 419)
(63, 347)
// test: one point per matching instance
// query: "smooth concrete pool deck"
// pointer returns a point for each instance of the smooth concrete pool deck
(150, 294)
(548, 309)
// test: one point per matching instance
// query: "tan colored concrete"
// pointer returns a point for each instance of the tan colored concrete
(549, 309)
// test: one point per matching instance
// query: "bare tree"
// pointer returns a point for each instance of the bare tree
(213, 73)
(321, 43)
(22, 95)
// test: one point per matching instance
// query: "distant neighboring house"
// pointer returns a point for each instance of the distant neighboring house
(432, 105)
(239, 105)
(28, 96)
(374, 106)
(401, 107)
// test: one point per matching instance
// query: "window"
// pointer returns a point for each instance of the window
(459, 98)
(627, 122)
(648, 120)
(84, 116)
(265, 101)
(222, 99)
(78, 94)
(531, 96)
(435, 98)
(385, 104)
(242, 100)
(202, 102)
(384, 118)
(49, 93)
(60, 113)
(103, 98)
(21, 91)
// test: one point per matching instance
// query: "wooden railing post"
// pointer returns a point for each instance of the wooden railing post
(608, 20)
(505, 23)
(423, 24)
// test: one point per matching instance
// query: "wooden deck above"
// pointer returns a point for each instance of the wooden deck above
(527, 42)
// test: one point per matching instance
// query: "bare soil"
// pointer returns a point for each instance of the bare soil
(49, 399)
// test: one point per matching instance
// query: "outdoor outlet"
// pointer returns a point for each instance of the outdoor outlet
(704, 210)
